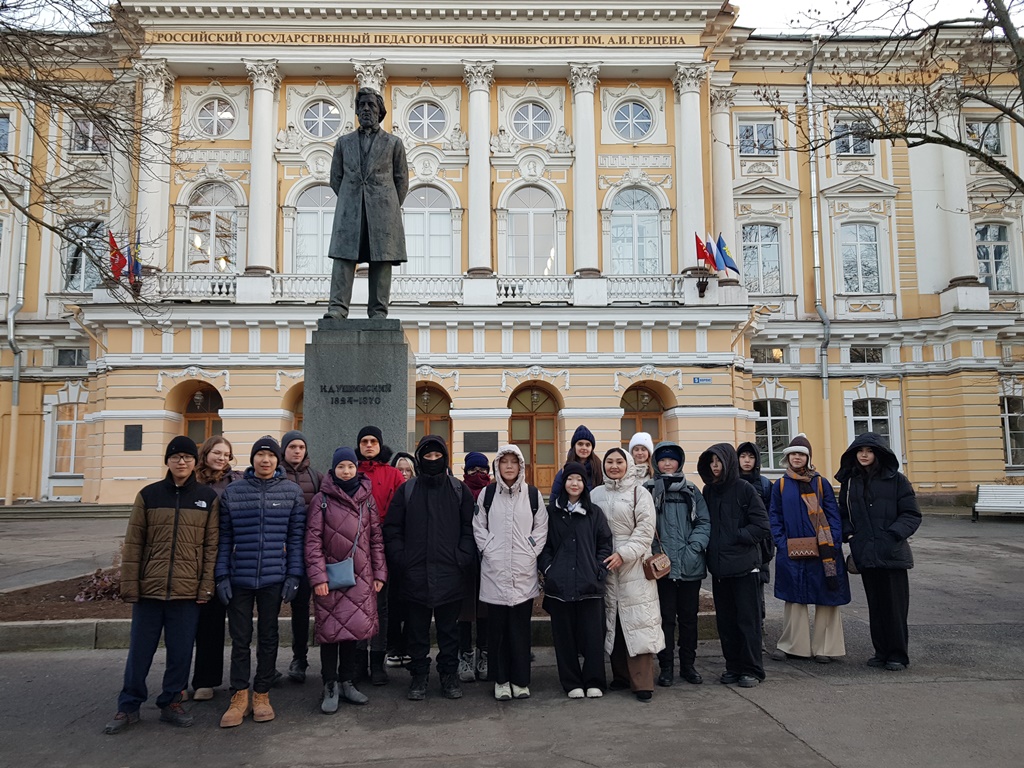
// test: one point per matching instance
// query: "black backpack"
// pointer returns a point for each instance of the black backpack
(491, 489)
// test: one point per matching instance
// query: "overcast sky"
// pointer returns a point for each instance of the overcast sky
(791, 15)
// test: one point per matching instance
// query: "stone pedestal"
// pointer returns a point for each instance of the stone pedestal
(358, 372)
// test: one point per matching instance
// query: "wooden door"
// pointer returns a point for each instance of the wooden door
(532, 429)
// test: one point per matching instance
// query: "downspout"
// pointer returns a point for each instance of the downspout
(13, 310)
(812, 130)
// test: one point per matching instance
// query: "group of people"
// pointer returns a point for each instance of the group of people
(386, 544)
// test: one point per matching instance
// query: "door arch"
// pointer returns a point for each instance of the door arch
(433, 415)
(202, 414)
(642, 409)
(532, 427)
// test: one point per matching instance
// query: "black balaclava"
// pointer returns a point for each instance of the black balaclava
(432, 467)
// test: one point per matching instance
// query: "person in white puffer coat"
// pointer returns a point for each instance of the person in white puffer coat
(510, 527)
(632, 610)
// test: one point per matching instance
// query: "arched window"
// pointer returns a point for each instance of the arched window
(531, 233)
(427, 213)
(642, 410)
(202, 414)
(433, 409)
(859, 245)
(636, 233)
(762, 261)
(314, 219)
(212, 229)
(532, 428)
(871, 415)
(83, 253)
(771, 430)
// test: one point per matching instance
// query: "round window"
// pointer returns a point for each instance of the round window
(633, 121)
(321, 119)
(531, 121)
(216, 117)
(426, 120)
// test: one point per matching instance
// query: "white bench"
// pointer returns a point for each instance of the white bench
(999, 499)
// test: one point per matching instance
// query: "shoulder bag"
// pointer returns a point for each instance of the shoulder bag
(656, 566)
(343, 575)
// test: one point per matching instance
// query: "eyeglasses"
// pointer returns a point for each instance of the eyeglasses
(182, 458)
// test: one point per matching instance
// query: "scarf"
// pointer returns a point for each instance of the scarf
(477, 482)
(826, 545)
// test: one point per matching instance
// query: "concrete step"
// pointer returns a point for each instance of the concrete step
(63, 510)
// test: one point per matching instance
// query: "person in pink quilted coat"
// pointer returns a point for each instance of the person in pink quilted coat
(343, 523)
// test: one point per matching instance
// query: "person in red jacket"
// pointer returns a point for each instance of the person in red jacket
(374, 459)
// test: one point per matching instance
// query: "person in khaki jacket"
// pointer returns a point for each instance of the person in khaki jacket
(170, 549)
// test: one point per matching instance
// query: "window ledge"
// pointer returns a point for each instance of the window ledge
(66, 476)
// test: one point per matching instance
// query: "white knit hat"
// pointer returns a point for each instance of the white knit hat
(644, 439)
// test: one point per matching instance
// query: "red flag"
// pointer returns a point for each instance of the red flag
(117, 259)
(703, 257)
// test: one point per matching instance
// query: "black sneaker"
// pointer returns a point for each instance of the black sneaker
(417, 688)
(450, 687)
(747, 681)
(175, 714)
(729, 678)
(691, 675)
(666, 678)
(297, 670)
(875, 661)
(122, 721)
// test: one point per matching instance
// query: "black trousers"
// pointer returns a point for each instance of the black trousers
(208, 671)
(680, 601)
(300, 620)
(338, 661)
(508, 644)
(888, 594)
(176, 620)
(738, 611)
(417, 626)
(267, 601)
(577, 629)
(466, 634)
(396, 642)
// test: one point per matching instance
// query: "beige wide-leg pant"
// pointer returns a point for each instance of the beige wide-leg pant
(797, 639)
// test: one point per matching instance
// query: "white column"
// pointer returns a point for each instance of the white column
(723, 211)
(123, 181)
(961, 250)
(479, 78)
(370, 74)
(585, 230)
(689, 178)
(154, 162)
(262, 252)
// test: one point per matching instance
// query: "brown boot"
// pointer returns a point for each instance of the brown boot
(261, 709)
(237, 710)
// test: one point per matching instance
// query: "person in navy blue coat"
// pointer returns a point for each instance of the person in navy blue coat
(804, 505)
(259, 564)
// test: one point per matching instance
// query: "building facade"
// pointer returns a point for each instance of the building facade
(561, 161)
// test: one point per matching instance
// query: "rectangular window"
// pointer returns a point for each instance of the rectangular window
(86, 138)
(992, 243)
(762, 260)
(757, 138)
(866, 354)
(871, 416)
(985, 135)
(72, 358)
(5, 132)
(847, 141)
(772, 430)
(859, 247)
(766, 355)
(83, 255)
(1013, 430)
(70, 441)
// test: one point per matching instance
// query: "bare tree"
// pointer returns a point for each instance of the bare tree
(73, 129)
(950, 82)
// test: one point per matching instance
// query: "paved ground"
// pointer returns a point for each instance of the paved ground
(960, 703)
(40, 551)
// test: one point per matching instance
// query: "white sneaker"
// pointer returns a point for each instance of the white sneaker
(576, 693)
(520, 693)
(594, 693)
(202, 694)
(503, 692)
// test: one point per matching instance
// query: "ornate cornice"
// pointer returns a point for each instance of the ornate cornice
(689, 77)
(370, 74)
(263, 73)
(583, 76)
(478, 75)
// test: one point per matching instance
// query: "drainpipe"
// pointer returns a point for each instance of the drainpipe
(13, 310)
(812, 128)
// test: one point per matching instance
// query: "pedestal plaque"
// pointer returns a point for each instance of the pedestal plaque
(358, 372)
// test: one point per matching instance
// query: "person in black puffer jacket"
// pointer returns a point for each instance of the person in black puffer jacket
(259, 564)
(738, 523)
(880, 513)
(428, 538)
(750, 470)
(572, 561)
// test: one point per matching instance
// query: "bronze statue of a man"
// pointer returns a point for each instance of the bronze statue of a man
(370, 176)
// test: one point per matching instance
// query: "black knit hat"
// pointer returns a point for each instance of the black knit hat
(291, 437)
(265, 443)
(370, 431)
(181, 444)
